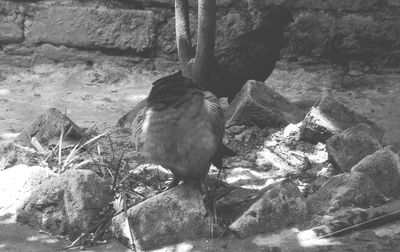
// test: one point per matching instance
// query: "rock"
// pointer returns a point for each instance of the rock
(11, 23)
(92, 28)
(305, 42)
(383, 168)
(235, 202)
(12, 154)
(170, 217)
(350, 146)
(258, 104)
(47, 53)
(280, 206)
(329, 117)
(345, 190)
(48, 126)
(67, 204)
(125, 122)
(366, 235)
(17, 184)
(344, 5)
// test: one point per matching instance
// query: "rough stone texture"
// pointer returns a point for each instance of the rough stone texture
(11, 23)
(231, 205)
(329, 117)
(66, 204)
(47, 53)
(90, 27)
(348, 5)
(350, 146)
(12, 154)
(48, 126)
(346, 190)
(17, 184)
(395, 3)
(282, 205)
(344, 31)
(345, 5)
(167, 218)
(383, 168)
(258, 104)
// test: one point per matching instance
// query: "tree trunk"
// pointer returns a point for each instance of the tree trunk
(196, 68)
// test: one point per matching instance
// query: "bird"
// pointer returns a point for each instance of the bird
(250, 56)
(180, 128)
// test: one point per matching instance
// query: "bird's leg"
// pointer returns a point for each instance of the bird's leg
(209, 203)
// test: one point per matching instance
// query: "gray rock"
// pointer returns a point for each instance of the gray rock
(17, 184)
(11, 23)
(47, 53)
(280, 206)
(329, 117)
(350, 146)
(67, 204)
(366, 235)
(257, 104)
(167, 218)
(345, 5)
(235, 202)
(383, 167)
(346, 190)
(48, 126)
(92, 28)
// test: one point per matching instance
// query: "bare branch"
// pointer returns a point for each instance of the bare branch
(183, 39)
(205, 40)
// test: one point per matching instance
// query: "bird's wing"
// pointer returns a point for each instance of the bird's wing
(137, 128)
(216, 115)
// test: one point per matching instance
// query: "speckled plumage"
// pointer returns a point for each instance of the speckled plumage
(181, 128)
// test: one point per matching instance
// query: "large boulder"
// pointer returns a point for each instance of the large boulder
(328, 117)
(280, 206)
(17, 184)
(67, 204)
(171, 217)
(383, 168)
(346, 190)
(350, 146)
(257, 104)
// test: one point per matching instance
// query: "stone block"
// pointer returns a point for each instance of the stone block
(257, 104)
(350, 146)
(346, 190)
(92, 28)
(328, 117)
(280, 206)
(49, 125)
(167, 218)
(68, 204)
(344, 5)
(11, 23)
(383, 167)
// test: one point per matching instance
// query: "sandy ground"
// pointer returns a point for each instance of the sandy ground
(100, 95)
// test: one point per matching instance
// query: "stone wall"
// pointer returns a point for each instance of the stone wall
(141, 32)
